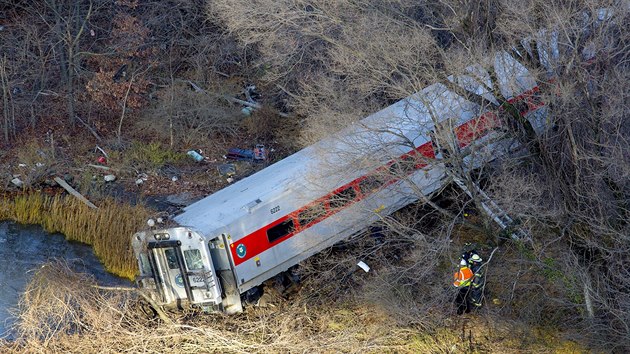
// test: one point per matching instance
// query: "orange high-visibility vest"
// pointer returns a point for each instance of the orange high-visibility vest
(463, 277)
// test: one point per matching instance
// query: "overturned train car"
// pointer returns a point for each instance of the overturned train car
(246, 233)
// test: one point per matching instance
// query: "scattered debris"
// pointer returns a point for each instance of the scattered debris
(151, 222)
(239, 154)
(363, 266)
(102, 160)
(260, 152)
(17, 182)
(139, 181)
(247, 111)
(109, 178)
(174, 178)
(22, 165)
(196, 155)
(231, 99)
(120, 73)
(251, 93)
(230, 180)
(227, 169)
(72, 191)
(39, 165)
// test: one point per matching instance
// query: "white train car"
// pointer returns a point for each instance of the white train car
(246, 233)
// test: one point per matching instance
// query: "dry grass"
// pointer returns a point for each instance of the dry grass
(62, 311)
(107, 229)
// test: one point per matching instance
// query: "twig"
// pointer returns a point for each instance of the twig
(158, 309)
(89, 128)
(124, 109)
(101, 150)
(100, 167)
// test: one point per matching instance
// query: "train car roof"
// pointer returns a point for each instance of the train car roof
(231, 203)
(377, 136)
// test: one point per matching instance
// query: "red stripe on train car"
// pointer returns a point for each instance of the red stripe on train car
(258, 241)
(476, 128)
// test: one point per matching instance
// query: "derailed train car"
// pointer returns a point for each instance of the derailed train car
(250, 231)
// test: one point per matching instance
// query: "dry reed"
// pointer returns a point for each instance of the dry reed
(63, 312)
(107, 229)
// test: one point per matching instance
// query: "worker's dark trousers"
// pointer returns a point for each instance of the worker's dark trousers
(462, 301)
(476, 295)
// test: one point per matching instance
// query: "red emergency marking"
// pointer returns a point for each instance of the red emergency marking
(258, 242)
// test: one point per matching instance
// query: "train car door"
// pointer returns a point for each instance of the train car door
(184, 274)
(167, 260)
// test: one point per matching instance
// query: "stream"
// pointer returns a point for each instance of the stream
(23, 248)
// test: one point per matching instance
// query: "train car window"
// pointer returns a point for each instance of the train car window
(397, 168)
(279, 231)
(521, 106)
(193, 259)
(171, 258)
(311, 214)
(370, 184)
(407, 163)
(144, 261)
(342, 198)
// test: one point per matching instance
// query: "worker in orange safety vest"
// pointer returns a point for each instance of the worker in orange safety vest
(462, 280)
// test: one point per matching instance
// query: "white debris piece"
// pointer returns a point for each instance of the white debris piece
(139, 181)
(364, 266)
(109, 178)
(17, 182)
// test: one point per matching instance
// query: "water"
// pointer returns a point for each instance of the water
(24, 248)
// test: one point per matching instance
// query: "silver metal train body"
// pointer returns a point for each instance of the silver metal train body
(248, 232)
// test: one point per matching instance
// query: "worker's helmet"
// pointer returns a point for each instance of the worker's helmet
(463, 263)
(475, 258)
